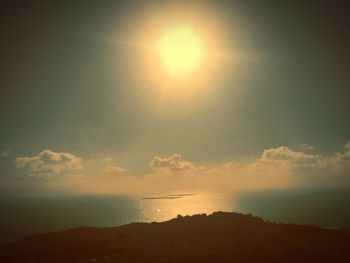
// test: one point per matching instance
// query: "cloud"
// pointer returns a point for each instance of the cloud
(231, 166)
(279, 167)
(339, 163)
(298, 159)
(347, 146)
(299, 163)
(113, 169)
(49, 163)
(283, 153)
(275, 168)
(272, 161)
(172, 163)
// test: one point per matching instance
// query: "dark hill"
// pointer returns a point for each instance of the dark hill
(220, 237)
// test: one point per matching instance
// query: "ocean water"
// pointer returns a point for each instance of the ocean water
(21, 217)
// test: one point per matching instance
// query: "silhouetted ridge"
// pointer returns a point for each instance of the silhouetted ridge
(219, 237)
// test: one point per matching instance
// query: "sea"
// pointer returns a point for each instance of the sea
(21, 217)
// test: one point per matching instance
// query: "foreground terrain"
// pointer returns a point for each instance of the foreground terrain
(220, 237)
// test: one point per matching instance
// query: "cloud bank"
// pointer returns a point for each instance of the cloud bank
(276, 168)
(170, 164)
(49, 163)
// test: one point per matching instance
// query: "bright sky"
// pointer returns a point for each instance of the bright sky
(119, 90)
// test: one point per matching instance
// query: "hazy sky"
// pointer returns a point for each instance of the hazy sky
(75, 83)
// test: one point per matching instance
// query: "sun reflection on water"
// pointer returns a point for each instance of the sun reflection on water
(164, 207)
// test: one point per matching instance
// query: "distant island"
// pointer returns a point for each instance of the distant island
(219, 237)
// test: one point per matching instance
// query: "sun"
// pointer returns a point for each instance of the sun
(180, 50)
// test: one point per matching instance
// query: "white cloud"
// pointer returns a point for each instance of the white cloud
(297, 158)
(172, 163)
(275, 168)
(347, 146)
(340, 162)
(272, 160)
(48, 163)
(283, 153)
(231, 166)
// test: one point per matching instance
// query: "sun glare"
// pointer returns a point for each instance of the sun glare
(180, 50)
(180, 55)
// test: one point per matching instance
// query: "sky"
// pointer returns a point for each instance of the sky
(87, 106)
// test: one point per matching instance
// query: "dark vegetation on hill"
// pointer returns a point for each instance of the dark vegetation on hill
(220, 237)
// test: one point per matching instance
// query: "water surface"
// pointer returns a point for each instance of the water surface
(21, 217)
